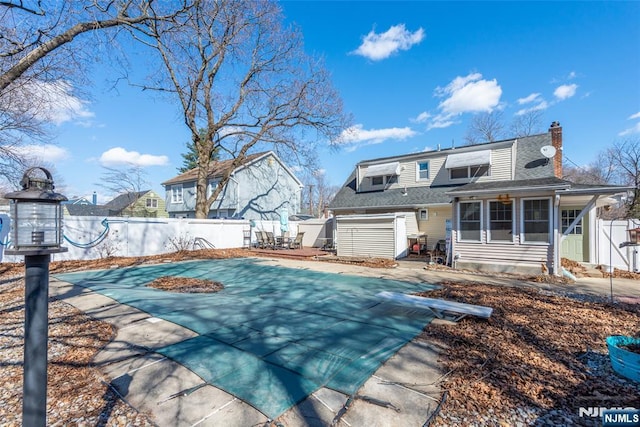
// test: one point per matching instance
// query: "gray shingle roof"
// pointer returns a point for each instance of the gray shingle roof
(87, 210)
(531, 169)
(530, 184)
(530, 163)
(415, 196)
(124, 200)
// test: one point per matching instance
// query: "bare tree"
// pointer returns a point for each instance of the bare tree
(128, 180)
(623, 159)
(319, 194)
(489, 127)
(485, 127)
(38, 65)
(526, 124)
(242, 75)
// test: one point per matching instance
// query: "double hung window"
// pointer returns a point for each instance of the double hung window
(536, 220)
(470, 217)
(500, 221)
(176, 193)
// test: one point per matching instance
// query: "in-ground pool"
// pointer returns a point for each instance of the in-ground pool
(273, 335)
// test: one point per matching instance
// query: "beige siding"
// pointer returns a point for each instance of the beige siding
(502, 163)
(434, 227)
(370, 238)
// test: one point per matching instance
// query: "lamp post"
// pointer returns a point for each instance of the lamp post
(36, 233)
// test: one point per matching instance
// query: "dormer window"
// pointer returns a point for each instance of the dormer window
(469, 172)
(422, 171)
(377, 180)
(468, 165)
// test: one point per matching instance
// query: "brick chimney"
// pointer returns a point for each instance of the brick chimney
(556, 140)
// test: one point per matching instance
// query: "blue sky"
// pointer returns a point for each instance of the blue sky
(412, 74)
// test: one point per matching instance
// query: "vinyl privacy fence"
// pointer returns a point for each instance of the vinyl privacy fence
(99, 237)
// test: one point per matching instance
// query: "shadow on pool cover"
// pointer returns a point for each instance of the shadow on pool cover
(274, 335)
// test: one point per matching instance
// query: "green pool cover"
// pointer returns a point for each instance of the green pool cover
(274, 335)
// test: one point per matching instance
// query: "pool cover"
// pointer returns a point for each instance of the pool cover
(273, 335)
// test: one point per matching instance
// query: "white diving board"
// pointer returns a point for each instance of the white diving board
(439, 306)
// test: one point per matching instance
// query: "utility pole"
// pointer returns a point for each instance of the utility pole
(310, 199)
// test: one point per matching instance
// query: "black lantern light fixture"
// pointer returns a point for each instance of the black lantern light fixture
(36, 233)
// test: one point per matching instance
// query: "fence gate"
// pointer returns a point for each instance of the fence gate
(609, 237)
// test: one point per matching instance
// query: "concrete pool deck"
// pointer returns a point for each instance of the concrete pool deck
(403, 391)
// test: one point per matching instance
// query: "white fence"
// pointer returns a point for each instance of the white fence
(609, 236)
(97, 237)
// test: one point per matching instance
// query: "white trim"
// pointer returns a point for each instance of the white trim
(418, 178)
(177, 195)
(550, 220)
(513, 222)
(459, 228)
(426, 214)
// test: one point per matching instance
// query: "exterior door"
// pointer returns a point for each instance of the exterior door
(573, 246)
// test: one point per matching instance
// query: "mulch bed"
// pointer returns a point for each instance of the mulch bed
(534, 351)
(186, 285)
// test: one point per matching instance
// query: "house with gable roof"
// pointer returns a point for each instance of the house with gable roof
(260, 189)
(501, 206)
(145, 204)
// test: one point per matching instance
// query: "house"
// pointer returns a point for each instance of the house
(505, 204)
(260, 189)
(145, 203)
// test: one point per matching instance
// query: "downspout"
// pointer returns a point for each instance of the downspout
(557, 265)
(237, 194)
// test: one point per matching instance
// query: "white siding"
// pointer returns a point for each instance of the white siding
(379, 236)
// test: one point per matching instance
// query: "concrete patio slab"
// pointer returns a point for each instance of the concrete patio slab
(317, 410)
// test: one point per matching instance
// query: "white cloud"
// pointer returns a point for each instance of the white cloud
(56, 103)
(529, 99)
(542, 105)
(120, 156)
(356, 136)
(441, 122)
(635, 116)
(563, 92)
(422, 117)
(572, 75)
(42, 152)
(632, 130)
(470, 94)
(381, 46)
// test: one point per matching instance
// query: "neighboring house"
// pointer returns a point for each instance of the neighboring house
(147, 204)
(505, 201)
(261, 189)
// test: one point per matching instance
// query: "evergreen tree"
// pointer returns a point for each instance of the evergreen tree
(190, 158)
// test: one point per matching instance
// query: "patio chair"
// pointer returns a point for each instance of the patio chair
(438, 254)
(297, 242)
(271, 240)
(260, 242)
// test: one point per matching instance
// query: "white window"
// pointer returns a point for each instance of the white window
(470, 221)
(536, 220)
(568, 216)
(152, 203)
(377, 180)
(422, 171)
(424, 215)
(176, 193)
(500, 222)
